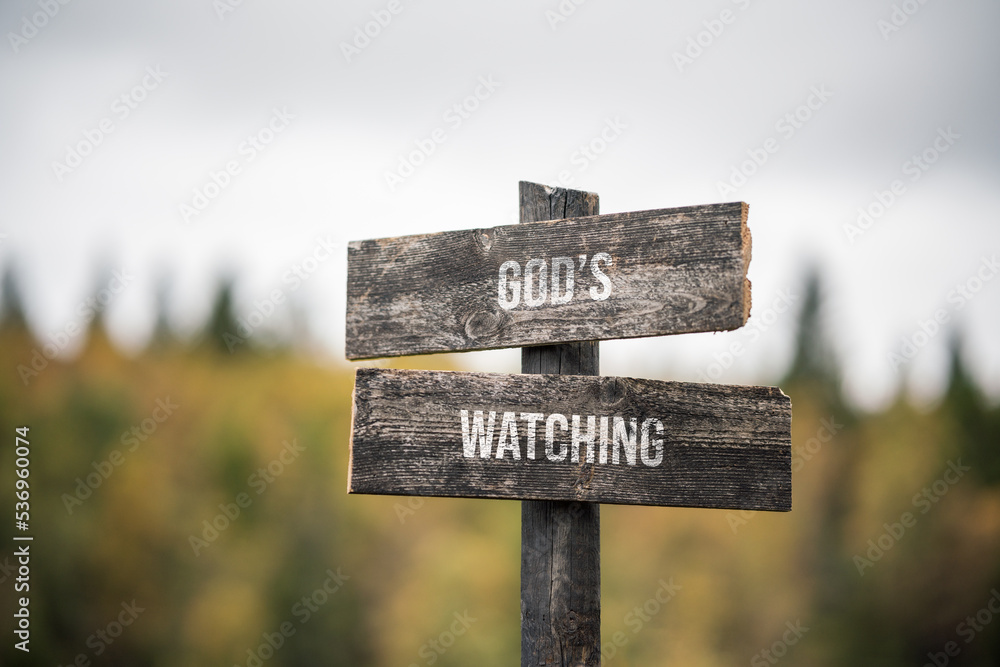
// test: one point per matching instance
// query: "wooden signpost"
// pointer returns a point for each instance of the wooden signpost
(558, 440)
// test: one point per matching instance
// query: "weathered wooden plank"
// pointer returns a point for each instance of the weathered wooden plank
(560, 540)
(653, 442)
(648, 273)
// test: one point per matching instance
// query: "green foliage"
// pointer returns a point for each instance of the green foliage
(226, 520)
(222, 329)
(976, 425)
(11, 305)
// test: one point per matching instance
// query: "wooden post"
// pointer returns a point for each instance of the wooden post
(560, 541)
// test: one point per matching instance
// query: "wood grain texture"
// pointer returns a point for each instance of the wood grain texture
(560, 584)
(723, 446)
(673, 271)
(560, 541)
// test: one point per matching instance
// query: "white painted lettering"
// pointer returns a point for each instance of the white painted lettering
(550, 434)
(513, 288)
(584, 438)
(588, 438)
(567, 294)
(621, 438)
(507, 303)
(531, 268)
(601, 276)
(530, 418)
(647, 458)
(508, 437)
(477, 433)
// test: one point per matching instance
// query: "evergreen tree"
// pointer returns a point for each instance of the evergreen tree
(814, 382)
(813, 360)
(97, 305)
(163, 335)
(222, 330)
(976, 425)
(814, 366)
(11, 305)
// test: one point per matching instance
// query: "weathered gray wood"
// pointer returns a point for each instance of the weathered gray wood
(560, 584)
(671, 271)
(723, 446)
(560, 541)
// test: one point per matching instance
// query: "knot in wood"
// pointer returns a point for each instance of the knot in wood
(583, 478)
(485, 238)
(571, 623)
(485, 322)
(613, 391)
(692, 303)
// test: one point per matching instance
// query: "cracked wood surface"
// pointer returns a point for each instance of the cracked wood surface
(726, 447)
(672, 271)
(560, 540)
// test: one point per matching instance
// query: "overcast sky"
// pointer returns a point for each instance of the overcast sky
(117, 117)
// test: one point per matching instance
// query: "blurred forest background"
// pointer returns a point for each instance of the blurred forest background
(134, 457)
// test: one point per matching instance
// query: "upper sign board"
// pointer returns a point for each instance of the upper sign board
(623, 275)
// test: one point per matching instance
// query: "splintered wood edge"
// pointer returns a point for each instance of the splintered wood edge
(350, 439)
(747, 251)
(791, 415)
(549, 189)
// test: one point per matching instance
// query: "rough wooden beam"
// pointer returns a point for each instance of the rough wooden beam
(560, 540)
(648, 273)
(707, 445)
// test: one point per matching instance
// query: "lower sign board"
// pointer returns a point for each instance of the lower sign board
(570, 437)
